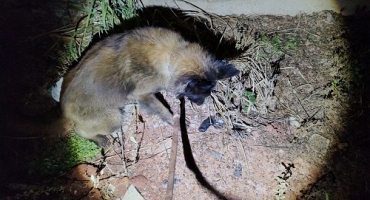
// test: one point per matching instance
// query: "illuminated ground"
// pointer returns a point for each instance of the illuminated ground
(311, 143)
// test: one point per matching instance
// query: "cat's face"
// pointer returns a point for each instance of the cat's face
(198, 89)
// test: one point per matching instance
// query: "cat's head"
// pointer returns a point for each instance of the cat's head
(199, 87)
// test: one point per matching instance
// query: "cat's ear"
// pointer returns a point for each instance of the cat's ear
(224, 70)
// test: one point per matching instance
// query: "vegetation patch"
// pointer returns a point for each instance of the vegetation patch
(61, 157)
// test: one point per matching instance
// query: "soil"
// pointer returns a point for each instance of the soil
(305, 136)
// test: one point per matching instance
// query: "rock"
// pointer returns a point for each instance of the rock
(238, 170)
(132, 194)
(293, 122)
(318, 143)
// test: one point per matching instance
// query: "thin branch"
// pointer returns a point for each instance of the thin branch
(172, 165)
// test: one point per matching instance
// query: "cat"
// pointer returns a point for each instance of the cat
(132, 67)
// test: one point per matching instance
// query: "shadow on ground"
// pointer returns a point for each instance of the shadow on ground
(347, 174)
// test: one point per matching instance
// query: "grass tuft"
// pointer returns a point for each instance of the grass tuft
(96, 17)
(61, 157)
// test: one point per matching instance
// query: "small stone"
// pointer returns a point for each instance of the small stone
(318, 143)
(329, 18)
(294, 122)
(217, 154)
(238, 170)
(175, 181)
(132, 193)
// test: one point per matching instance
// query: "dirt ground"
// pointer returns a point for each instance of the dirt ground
(304, 136)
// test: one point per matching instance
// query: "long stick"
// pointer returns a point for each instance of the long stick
(172, 166)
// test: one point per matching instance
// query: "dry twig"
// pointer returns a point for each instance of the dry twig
(172, 165)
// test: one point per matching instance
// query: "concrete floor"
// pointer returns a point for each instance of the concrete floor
(260, 7)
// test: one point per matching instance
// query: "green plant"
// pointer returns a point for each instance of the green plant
(311, 37)
(276, 42)
(325, 194)
(283, 181)
(273, 43)
(337, 86)
(99, 16)
(335, 83)
(278, 45)
(61, 157)
(283, 186)
(291, 44)
(251, 99)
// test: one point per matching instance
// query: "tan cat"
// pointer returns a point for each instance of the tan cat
(133, 66)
